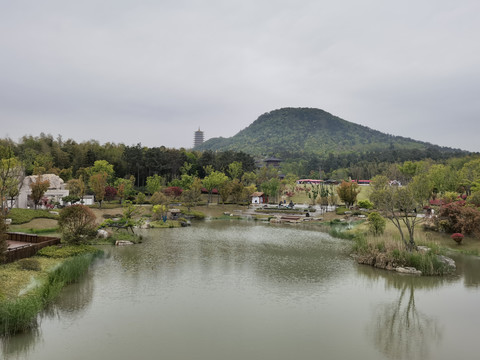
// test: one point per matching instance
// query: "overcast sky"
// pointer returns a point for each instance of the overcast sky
(154, 71)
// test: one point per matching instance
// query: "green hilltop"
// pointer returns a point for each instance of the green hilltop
(293, 131)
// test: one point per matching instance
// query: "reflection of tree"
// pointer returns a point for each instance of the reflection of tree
(398, 329)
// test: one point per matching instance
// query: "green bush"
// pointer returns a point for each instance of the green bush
(22, 216)
(29, 264)
(65, 251)
(341, 210)
(376, 223)
(77, 224)
(365, 204)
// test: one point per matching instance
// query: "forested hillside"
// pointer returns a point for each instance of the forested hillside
(293, 131)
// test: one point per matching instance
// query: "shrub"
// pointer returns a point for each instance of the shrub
(140, 199)
(29, 264)
(457, 237)
(376, 223)
(341, 210)
(77, 223)
(459, 218)
(65, 251)
(365, 204)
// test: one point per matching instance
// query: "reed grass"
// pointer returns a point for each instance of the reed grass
(20, 314)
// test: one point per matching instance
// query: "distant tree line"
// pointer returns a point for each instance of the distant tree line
(69, 159)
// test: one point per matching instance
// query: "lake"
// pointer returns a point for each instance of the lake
(244, 290)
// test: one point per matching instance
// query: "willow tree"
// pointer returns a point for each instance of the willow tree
(400, 204)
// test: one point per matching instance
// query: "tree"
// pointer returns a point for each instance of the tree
(77, 223)
(193, 195)
(458, 217)
(39, 188)
(399, 204)
(224, 190)
(76, 187)
(237, 190)
(235, 170)
(347, 192)
(140, 199)
(213, 181)
(98, 183)
(271, 188)
(159, 212)
(9, 171)
(173, 192)
(125, 188)
(102, 166)
(313, 191)
(158, 198)
(110, 193)
(376, 223)
(154, 184)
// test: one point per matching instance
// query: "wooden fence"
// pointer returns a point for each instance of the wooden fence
(33, 243)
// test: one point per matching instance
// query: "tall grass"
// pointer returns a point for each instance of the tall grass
(20, 314)
(390, 250)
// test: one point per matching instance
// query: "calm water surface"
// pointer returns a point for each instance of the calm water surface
(240, 290)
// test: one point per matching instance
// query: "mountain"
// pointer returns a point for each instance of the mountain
(312, 131)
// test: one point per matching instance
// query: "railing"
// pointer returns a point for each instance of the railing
(33, 244)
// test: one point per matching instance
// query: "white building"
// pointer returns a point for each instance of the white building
(56, 191)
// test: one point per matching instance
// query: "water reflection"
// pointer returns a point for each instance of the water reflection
(469, 267)
(398, 329)
(69, 306)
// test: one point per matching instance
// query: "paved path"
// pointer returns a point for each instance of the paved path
(17, 244)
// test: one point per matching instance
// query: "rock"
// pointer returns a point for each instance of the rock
(146, 225)
(447, 261)
(103, 234)
(423, 249)
(54, 212)
(8, 221)
(123, 243)
(408, 270)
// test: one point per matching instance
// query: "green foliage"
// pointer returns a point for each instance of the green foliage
(212, 181)
(158, 198)
(66, 251)
(100, 167)
(341, 210)
(235, 170)
(376, 223)
(22, 216)
(365, 204)
(38, 187)
(29, 264)
(140, 199)
(159, 211)
(306, 130)
(154, 184)
(77, 224)
(97, 183)
(20, 314)
(347, 192)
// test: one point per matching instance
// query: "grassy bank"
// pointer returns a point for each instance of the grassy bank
(30, 285)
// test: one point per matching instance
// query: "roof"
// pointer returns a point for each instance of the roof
(258, 194)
